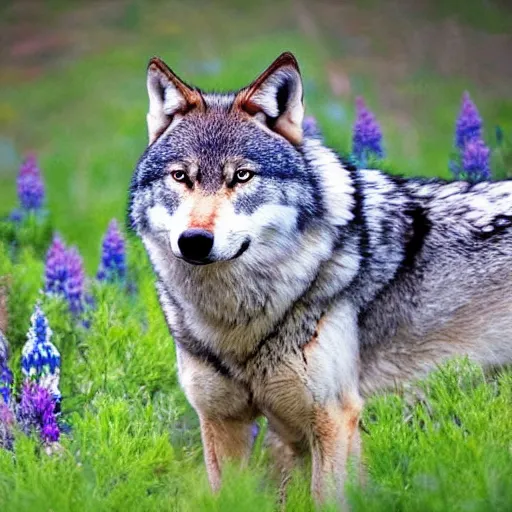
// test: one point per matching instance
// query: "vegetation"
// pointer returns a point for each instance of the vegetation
(129, 440)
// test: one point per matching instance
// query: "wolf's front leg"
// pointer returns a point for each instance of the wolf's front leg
(224, 411)
(224, 440)
(335, 438)
(332, 359)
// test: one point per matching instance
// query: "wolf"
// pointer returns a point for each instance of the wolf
(295, 285)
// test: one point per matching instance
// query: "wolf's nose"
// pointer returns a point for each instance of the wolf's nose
(195, 244)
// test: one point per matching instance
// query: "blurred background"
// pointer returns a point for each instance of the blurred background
(72, 82)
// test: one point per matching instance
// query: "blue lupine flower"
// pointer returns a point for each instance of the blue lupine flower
(469, 123)
(56, 271)
(366, 135)
(40, 359)
(113, 255)
(37, 411)
(74, 290)
(475, 161)
(5, 372)
(30, 185)
(64, 275)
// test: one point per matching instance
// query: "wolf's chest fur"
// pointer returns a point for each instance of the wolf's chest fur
(247, 320)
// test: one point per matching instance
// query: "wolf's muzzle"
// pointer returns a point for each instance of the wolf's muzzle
(195, 245)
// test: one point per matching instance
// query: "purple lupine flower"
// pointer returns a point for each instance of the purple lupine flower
(367, 135)
(40, 360)
(30, 185)
(7, 421)
(310, 127)
(64, 274)
(37, 411)
(475, 161)
(56, 271)
(74, 290)
(469, 123)
(5, 372)
(113, 255)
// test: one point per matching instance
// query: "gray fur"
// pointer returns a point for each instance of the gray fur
(361, 281)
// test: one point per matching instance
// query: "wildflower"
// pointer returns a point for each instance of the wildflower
(475, 161)
(30, 185)
(64, 274)
(5, 373)
(40, 359)
(75, 281)
(7, 421)
(113, 255)
(469, 123)
(367, 135)
(56, 272)
(310, 127)
(37, 410)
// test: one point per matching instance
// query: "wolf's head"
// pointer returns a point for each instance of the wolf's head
(225, 176)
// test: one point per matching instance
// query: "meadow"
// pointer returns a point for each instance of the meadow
(72, 91)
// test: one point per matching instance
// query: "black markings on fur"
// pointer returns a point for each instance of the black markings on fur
(420, 228)
(307, 327)
(500, 223)
(186, 341)
(282, 96)
(199, 351)
(360, 218)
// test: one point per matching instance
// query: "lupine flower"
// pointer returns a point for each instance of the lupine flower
(310, 127)
(469, 123)
(37, 410)
(5, 373)
(64, 274)
(475, 161)
(40, 361)
(56, 271)
(366, 136)
(113, 255)
(30, 185)
(74, 290)
(7, 421)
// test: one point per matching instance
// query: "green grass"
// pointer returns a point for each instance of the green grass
(134, 442)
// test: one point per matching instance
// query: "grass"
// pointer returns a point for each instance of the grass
(134, 442)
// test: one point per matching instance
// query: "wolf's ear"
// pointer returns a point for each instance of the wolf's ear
(169, 98)
(275, 98)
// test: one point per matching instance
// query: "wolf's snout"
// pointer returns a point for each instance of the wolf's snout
(195, 244)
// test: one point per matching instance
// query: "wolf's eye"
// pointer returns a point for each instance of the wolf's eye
(243, 175)
(179, 176)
